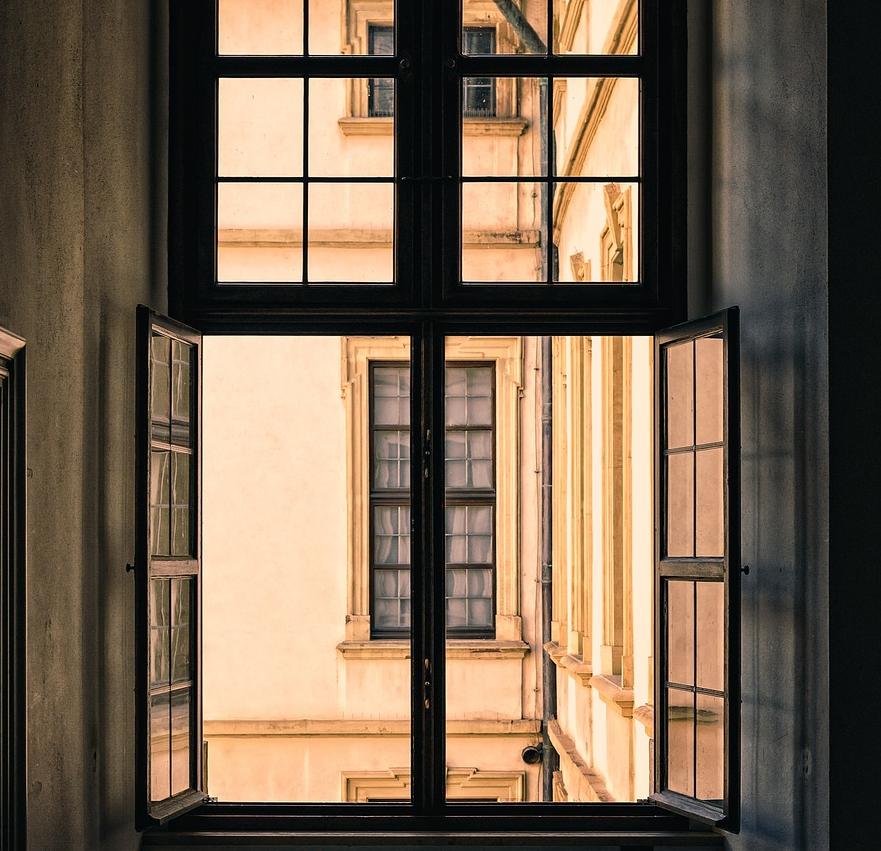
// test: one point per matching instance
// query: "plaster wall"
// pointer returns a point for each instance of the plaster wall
(769, 256)
(82, 242)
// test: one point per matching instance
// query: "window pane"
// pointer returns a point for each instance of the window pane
(350, 232)
(596, 27)
(504, 226)
(260, 232)
(159, 626)
(710, 748)
(260, 127)
(710, 383)
(181, 595)
(306, 570)
(680, 504)
(332, 33)
(680, 741)
(680, 632)
(160, 398)
(391, 467)
(160, 741)
(180, 393)
(680, 395)
(710, 503)
(711, 635)
(468, 396)
(181, 741)
(260, 27)
(504, 28)
(596, 127)
(338, 145)
(595, 234)
(180, 514)
(160, 496)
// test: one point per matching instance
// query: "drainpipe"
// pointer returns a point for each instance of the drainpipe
(550, 760)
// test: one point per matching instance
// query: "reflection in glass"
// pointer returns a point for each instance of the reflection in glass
(596, 238)
(597, 27)
(680, 741)
(180, 393)
(680, 504)
(680, 632)
(710, 383)
(710, 779)
(159, 626)
(710, 538)
(260, 27)
(680, 395)
(160, 400)
(350, 232)
(260, 232)
(180, 509)
(181, 594)
(260, 127)
(333, 151)
(503, 231)
(711, 635)
(160, 494)
(181, 740)
(614, 149)
(504, 27)
(160, 741)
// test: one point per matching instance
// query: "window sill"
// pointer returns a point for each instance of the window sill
(457, 648)
(574, 665)
(620, 699)
(495, 126)
(367, 126)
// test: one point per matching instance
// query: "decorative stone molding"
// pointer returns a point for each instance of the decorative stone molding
(469, 783)
(612, 693)
(457, 648)
(584, 784)
(506, 353)
(575, 666)
(346, 727)
(645, 714)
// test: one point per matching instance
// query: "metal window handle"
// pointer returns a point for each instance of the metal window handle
(426, 686)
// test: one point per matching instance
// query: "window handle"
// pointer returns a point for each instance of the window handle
(426, 685)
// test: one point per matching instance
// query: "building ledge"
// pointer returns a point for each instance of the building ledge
(590, 785)
(494, 126)
(457, 648)
(645, 714)
(569, 662)
(367, 126)
(346, 727)
(620, 699)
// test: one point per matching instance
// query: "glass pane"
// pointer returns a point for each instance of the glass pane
(710, 748)
(596, 27)
(260, 27)
(391, 466)
(180, 393)
(468, 396)
(596, 237)
(710, 382)
(350, 33)
(710, 503)
(181, 741)
(711, 635)
(596, 127)
(160, 399)
(181, 594)
(504, 226)
(160, 737)
(159, 626)
(680, 741)
(260, 127)
(494, 28)
(341, 144)
(502, 119)
(351, 232)
(680, 504)
(260, 232)
(680, 632)
(180, 514)
(680, 395)
(160, 496)
(305, 570)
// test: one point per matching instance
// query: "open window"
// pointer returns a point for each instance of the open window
(168, 566)
(697, 582)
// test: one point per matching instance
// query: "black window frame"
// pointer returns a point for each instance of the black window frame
(13, 537)
(428, 304)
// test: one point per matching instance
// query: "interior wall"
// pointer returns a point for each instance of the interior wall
(82, 242)
(768, 242)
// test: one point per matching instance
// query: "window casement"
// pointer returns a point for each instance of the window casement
(528, 180)
(13, 821)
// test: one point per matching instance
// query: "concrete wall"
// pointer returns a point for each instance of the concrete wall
(81, 237)
(769, 255)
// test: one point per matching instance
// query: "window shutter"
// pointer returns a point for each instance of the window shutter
(168, 569)
(697, 577)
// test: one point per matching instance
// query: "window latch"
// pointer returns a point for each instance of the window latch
(426, 685)
(426, 454)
